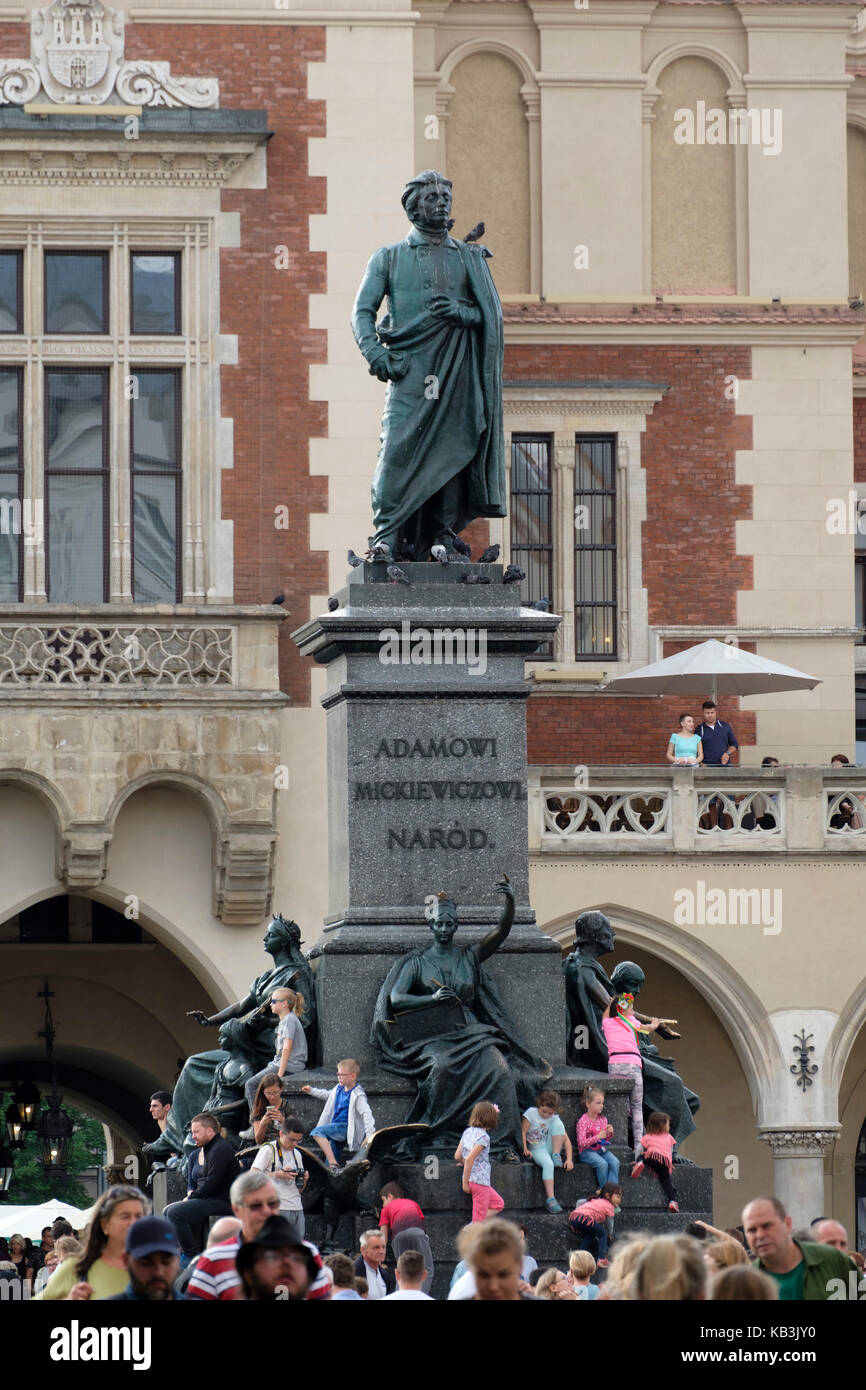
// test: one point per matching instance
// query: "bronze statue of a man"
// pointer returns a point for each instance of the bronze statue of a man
(440, 348)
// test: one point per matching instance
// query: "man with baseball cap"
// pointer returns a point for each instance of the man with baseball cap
(276, 1265)
(152, 1258)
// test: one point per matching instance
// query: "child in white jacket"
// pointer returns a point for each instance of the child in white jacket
(347, 1117)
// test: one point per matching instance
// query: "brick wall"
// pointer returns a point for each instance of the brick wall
(266, 394)
(859, 439)
(691, 569)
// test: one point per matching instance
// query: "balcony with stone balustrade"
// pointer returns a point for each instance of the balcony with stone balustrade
(99, 702)
(665, 810)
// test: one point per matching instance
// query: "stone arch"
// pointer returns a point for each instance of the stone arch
(852, 1019)
(482, 44)
(736, 87)
(179, 942)
(45, 790)
(214, 806)
(726, 992)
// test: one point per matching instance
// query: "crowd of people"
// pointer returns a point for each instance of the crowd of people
(127, 1254)
(240, 1233)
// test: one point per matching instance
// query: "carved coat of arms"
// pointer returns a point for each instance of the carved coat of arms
(78, 47)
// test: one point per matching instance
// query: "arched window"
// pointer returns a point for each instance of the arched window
(694, 233)
(488, 163)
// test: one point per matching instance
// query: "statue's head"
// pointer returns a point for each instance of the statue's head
(282, 932)
(443, 919)
(594, 929)
(427, 200)
(627, 977)
(229, 1033)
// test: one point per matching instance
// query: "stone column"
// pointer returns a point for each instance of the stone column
(798, 1169)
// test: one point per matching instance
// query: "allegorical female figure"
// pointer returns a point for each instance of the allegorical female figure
(251, 1038)
(483, 1058)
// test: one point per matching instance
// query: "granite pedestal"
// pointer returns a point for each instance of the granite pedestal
(427, 767)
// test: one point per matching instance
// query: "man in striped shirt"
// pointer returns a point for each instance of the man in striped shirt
(254, 1198)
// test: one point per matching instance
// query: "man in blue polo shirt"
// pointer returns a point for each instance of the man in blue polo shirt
(717, 737)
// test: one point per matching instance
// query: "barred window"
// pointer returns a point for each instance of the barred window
(14, 513)
(595, 559)
(155, 466)
(10, 292)
(76, 485)
(531, 513)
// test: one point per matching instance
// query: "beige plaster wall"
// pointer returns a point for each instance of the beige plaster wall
(857, 212)
(488, 163)
(764, 967)
(694, 248)
(801, 460)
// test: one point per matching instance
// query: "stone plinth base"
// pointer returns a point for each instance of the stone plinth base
(434, 1181)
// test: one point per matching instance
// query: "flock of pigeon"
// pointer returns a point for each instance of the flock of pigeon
(380, 553)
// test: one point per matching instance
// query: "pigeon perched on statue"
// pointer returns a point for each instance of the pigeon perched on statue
(476, 234)
(468, 578)
(397, 576)
(354, 560)
(542, 605)
(513, 575)
(459, 545)
(490, 555)
(439, 553)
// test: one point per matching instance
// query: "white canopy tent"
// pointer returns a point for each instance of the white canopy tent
(29, 1220)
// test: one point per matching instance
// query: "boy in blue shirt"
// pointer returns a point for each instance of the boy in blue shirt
(346, 1118)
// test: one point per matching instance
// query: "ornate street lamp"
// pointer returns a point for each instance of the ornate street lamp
(27, 1100)
(53, 1132)
(14, 1126)
(7, 1160)
(55, 1127)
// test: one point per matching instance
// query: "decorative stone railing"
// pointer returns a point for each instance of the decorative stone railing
(653, 810)
(142, 655)
(58, 649)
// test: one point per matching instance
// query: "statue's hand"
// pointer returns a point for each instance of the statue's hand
(442, 306)
(444, 993)
(390, 366)
(199, 1017)
(504, 886)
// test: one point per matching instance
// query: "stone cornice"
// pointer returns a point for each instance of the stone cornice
(707, 331)
(154, 160)
(533, 400)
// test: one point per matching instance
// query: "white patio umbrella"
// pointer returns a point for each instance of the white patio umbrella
(29, 1221)
(720, 667)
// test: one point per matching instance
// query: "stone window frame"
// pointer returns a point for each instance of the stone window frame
(563, 412)
(121, 351)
